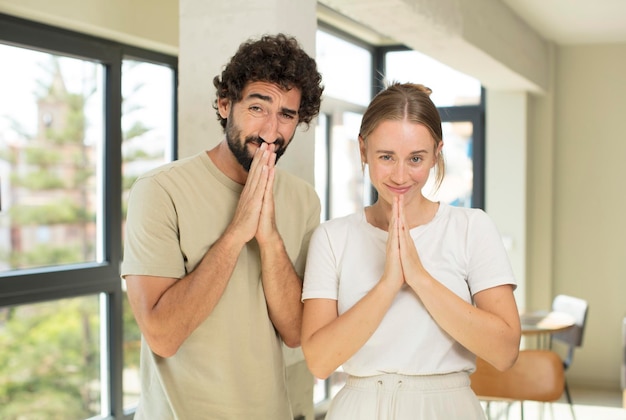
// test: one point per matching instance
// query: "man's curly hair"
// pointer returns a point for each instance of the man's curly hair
(276, 59)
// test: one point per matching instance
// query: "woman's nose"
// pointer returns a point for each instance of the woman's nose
(399, 173)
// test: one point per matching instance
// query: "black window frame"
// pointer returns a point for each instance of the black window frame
(68, 281)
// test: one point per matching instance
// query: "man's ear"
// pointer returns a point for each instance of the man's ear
(223, 106)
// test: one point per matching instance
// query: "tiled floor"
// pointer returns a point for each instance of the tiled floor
(588, 405)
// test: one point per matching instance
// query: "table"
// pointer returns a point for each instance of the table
(541, 324)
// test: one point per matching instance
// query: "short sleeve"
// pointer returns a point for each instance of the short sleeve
(321, 280)
(151, 245)
(489, 264)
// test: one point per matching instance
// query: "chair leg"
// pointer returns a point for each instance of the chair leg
(521, 408)
(569, 400)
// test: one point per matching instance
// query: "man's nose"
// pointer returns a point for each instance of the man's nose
(269, 130)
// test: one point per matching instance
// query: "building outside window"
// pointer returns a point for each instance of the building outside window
(69, 342)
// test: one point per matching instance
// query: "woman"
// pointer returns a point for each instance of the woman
(406, 293)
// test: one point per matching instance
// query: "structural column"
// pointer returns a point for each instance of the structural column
(210, 33)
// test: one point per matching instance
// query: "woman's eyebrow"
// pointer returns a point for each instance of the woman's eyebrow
(414, 152)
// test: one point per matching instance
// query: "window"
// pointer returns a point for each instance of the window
(147, 142)
(52, 133)
(346, 69)
(67, 159)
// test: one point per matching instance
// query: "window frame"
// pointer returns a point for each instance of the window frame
(52, 283)
(333, 107)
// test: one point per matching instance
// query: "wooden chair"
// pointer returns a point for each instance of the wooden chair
(571, 338)
(537, 375)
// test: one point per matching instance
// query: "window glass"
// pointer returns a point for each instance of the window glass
(349, 189)
(51, 138)
(147, 133)
(50, 360)
(346, 69)
(456, 188)
(450, 87)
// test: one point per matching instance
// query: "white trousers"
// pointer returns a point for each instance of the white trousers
(402, 397)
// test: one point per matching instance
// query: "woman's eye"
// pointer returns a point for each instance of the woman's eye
(416, 159)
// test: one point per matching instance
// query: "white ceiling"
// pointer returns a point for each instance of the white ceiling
(474, 36)
(564, 22)
(567, 22)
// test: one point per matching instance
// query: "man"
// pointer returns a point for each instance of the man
(215, 248)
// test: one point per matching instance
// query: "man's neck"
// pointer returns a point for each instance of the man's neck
(226, 162)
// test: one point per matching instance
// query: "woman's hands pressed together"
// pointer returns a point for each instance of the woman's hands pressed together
(403, 262)
(393, 274)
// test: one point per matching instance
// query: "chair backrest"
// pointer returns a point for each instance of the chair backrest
(537, 375)
(576, 307)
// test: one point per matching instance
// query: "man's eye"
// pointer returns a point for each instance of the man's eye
(287, 116)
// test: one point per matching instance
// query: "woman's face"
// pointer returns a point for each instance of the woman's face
(400, 155)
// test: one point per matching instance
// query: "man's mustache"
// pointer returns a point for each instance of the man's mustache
(278, 143)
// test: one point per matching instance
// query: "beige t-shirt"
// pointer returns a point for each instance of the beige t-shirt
(231, 367)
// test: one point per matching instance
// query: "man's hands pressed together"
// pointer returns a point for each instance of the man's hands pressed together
(254, 216)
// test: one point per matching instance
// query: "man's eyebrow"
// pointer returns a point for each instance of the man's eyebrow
(261, 97)
(289, 111)
(266, 98)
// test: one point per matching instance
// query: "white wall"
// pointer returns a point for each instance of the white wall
(505, 197)
(590, 200)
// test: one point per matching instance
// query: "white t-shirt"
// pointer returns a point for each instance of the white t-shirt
(460, 247)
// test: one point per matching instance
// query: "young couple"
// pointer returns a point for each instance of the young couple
(403, 294)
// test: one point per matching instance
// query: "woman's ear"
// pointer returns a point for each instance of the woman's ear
(362, 150)
(438, 155)
(439, 147)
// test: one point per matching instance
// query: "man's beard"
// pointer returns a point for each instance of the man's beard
(240, 148)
